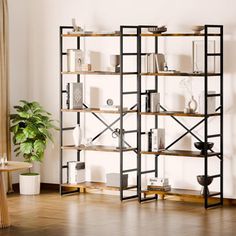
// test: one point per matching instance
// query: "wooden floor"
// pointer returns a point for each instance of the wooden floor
(94, 214)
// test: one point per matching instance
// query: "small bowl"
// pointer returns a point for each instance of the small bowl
(157, 30)
(201, 180)
(197, 29)
(200, 146)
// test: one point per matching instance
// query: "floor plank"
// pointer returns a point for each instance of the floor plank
(97, 214)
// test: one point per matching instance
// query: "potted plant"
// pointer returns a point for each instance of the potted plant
(31, 126)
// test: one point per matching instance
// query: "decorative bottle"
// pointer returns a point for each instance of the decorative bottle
(192, 105)
(77, 135)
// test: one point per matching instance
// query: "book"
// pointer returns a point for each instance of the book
(74, 95)
(160, 61)
(155, 102)
(148, 100)
(159, 188)
(158, 139)
(159, 182)
(154, 62)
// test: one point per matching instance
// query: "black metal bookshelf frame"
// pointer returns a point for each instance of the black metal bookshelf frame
(108, 127)
(139, 93)
(188, 130)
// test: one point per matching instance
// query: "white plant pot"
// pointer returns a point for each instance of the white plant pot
(29, 184)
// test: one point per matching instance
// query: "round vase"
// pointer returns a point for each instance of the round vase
(192, 105)
(77, 136)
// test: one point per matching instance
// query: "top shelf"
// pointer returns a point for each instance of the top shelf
(177, 35)
(134, 35)
(180, 74)
(98, 35)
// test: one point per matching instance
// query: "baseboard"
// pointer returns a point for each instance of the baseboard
(55, 187)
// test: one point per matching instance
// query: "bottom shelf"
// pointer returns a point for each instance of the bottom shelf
(94, 185)
(177, 192)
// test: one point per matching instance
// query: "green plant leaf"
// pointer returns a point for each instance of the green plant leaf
(26, 147)
(14, 129)
(21, 137)
(31, 127)
(35, 158)
(30, 131)
(45, 132)
(39, 146)
(24, 114)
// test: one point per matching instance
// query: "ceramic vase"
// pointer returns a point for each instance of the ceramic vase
(192, 105)
(77, 135)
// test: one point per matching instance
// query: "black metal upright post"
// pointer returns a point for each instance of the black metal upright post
(205, 114)
(221, 114)
(121, 114)
(156, 117)
(139, 124)
(78, 113)
(61, 104)
(139, 101)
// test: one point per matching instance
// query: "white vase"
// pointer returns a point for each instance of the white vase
(192, 104)
(29, 184)
(77, 135)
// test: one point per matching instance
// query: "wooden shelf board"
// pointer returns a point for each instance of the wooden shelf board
(101, 148)
(134, 35)
(176, 113)
(176, 35)
(144, 74)
(93, 185)
(96, 73)
(97, 110)
(183, 153)
(176, 192)
(180, 74)
(98, 35)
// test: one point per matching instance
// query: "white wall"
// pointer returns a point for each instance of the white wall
(35, 63)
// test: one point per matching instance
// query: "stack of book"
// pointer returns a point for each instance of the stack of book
(159, 188)
(158, 184)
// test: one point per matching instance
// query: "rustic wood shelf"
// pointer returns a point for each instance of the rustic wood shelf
(96, 73)
(97, 110)
(183, 153)
(176, 113)
(102, 148)
(98, 35)
(177, 192)
(180, 74)
(93, 185)
(177, 35)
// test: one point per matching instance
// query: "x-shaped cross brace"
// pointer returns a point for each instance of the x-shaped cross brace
(188, 131)
(109, 127)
